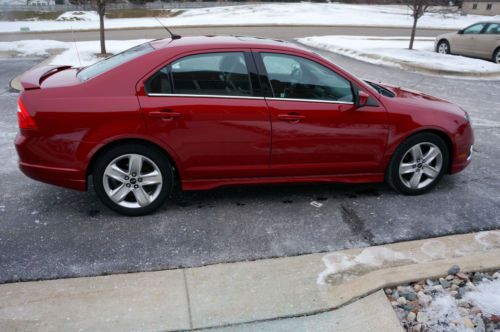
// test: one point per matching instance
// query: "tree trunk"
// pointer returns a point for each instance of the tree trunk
(413, 31)
(102, 10)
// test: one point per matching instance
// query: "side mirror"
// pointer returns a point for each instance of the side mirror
(460, 32)
(362, 99)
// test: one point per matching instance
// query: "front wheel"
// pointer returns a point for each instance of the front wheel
(133, 179)
(443, 47)
(418, 164)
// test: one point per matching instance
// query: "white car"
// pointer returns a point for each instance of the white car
(480, 40)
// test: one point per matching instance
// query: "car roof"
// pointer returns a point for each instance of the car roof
(193, 43)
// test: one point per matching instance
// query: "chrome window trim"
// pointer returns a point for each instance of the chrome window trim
(248, 97)
(312, 100)
(201, 96)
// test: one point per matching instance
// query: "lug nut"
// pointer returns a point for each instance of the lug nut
(134, 174)
(136, 186)
(126, 178)
(139, 179)
(128, 185)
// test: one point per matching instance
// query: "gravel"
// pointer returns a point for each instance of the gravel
(445, 304)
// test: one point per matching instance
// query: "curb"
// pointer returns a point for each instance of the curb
(240, 294)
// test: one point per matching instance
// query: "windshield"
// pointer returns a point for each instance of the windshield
(114, 61)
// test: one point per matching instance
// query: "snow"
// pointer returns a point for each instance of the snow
(442, 315)
(489, 239)
(487, 297)
(337, 263)
(79, 16)
(394, 52)
(271, 14)
(86, 55)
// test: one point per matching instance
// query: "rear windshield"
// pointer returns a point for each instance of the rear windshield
(114, 61)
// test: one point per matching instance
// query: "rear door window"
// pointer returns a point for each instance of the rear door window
(216, 74)
(493, 28)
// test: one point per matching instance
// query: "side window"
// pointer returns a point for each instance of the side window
(493, 28)
(298, 78)
(204, 74)
(475, 29)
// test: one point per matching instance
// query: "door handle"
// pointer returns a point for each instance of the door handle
(165, 114)
(291, 117)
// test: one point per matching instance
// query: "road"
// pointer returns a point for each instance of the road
(48, 232)
(281, 32)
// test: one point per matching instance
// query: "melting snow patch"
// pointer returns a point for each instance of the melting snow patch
(443, 316)
(434, 249)
(370, 257)
(79, 16)
(487, 297)
(489, 239)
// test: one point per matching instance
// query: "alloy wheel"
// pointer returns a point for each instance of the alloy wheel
(443, 48)
(132, 181)
(421, 165)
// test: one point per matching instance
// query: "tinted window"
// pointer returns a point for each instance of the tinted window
(114, 61)
(493, 28)
(298, 78)
(475, 29)
(204, 74)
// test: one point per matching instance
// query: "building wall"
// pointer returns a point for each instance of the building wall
(480, 8)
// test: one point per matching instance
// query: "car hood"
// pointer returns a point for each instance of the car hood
(417, 100)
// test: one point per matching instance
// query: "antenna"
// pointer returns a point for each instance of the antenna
(172, 35)
(76, 48)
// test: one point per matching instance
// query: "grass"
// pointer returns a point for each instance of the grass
(119, 13)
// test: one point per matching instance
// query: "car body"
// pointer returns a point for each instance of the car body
(479, 40)
(225, 110)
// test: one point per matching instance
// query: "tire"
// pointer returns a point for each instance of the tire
(409, 173)
(443, 47)
(496, 56)
(133, 179)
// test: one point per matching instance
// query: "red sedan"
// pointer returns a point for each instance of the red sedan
(209, 111)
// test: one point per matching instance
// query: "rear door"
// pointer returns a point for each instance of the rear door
(316, 128)
(206, 107)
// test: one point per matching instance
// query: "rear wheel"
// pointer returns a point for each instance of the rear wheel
(443, 47)
(418, 164)
(133, 179)
(496, 56)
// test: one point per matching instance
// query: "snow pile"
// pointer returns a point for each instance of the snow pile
(79, 16)
(73, 54)
(394, 52)
(442, 315)
(303, 13)
(487, 297)
(337, 263)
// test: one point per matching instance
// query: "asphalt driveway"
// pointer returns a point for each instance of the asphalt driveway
(49, 232)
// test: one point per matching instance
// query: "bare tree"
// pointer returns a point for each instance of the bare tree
(101, 10)
(418, 8)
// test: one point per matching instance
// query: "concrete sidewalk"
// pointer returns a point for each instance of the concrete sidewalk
(308, 292)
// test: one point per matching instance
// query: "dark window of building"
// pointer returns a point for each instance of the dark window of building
(488, 6)
(474, 6)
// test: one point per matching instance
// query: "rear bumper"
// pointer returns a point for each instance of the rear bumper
(63, 177)
(37, 160)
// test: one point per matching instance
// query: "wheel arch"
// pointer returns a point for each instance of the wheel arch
(441, 134)
(443, 40)
(495, 52)
(106, 147)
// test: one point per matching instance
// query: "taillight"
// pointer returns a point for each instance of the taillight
(24, 118)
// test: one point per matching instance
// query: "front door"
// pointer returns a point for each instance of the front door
(467, 42)
(316, 128)
(204, 107)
